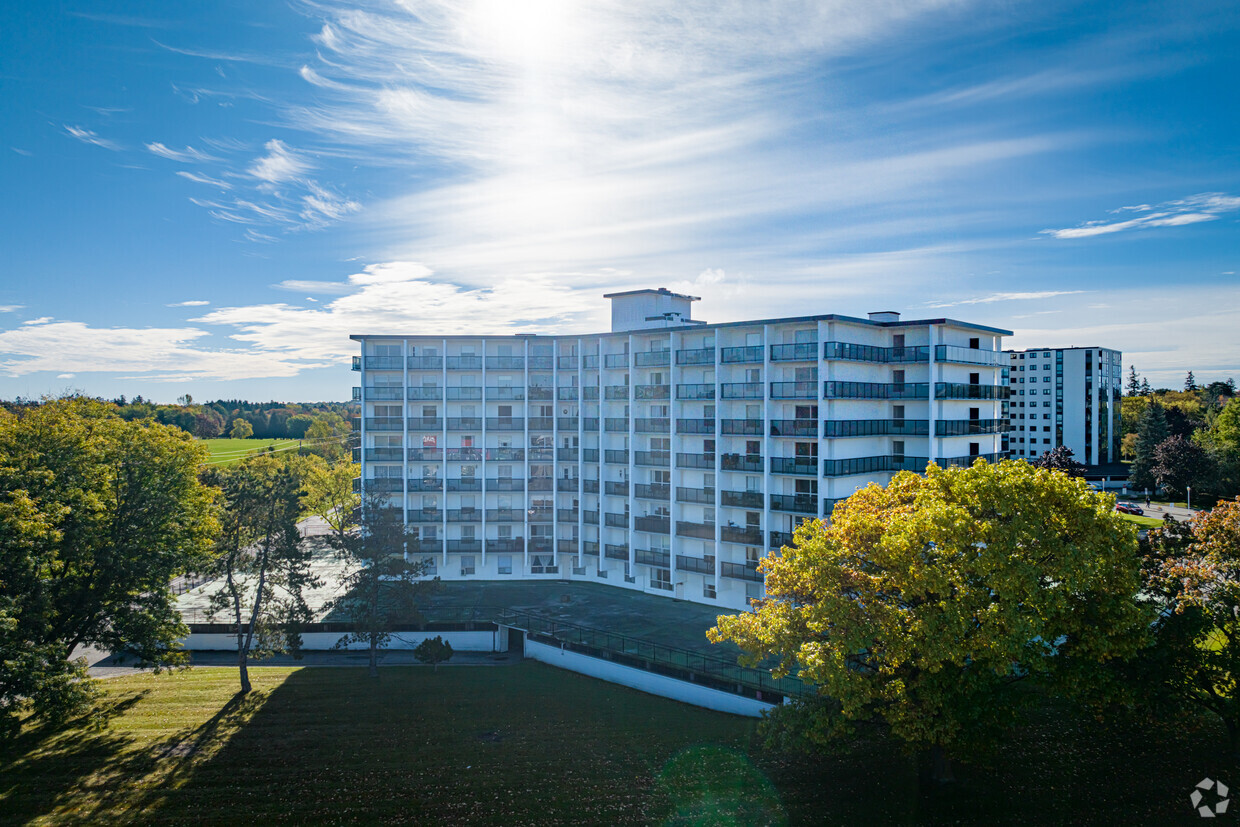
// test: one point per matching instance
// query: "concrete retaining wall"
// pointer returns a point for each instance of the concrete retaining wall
(321, 641)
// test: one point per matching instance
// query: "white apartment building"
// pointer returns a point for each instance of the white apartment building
(668, 455)
(1065, 396)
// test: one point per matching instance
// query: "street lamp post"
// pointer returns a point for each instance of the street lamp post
(1189, 491)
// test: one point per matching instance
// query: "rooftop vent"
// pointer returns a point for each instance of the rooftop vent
(884, 316)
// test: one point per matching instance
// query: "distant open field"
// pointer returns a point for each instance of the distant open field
(529, 744)
(229, 451)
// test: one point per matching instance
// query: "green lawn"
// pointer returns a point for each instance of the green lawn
(230, 451)
(1144, 522)
(529, 744)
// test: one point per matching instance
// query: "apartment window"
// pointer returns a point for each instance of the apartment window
(467, 566)
(467, 531)
(897, 377)
(429, 565)
(805, 336)
(708, 411)
(897, 411)
(753, 484)
(897, 447)
(504, 532)
(975, 449)
(975, 379)
(504, 564)
(753, 411)
(753, 375)
(708, 590)
(752, 339)
(975, 343)
(753, 447)
(897, 341)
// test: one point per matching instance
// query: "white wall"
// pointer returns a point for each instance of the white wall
(322, 641)
(661, 685)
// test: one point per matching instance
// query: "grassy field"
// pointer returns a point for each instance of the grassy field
(1143, 521)
(528, 744)
(230, 451)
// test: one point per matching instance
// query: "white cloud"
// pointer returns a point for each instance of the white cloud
(279, 164)
(190, 303)
(204, 179)
(10, 308)
(187, 155)
(65, 375)
(1006, 297)
(88, 136)
(1206, 206)
(40, 320)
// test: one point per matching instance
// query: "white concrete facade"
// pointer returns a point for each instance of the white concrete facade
(666, 459)
(1065, 396)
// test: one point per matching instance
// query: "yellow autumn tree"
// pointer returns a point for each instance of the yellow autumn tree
(926, 605)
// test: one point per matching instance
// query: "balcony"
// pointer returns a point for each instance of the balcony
(507, 545)
(616, 425)
(616, 520)
(616, 392)
(741, 427)
(615, 551)
(568, 394)
(652, 358)
(505, 423)
(567, 454)
(505, 393)
(652, 391)
(652, 557)
(705, 531)
(541, 362)
(875, 427)
(875, 390)
(464, 484)
(971, 356)
(779, 539)
(741, 499)
(616, 456)
(567, 423)
(589, 486)
(616, 489)
(433, 546)
(656, 459)
(968, 460)
(465, 546)
(505, 484)
(540, 484)
(741, 571)
(701, 356)
(563, 546)
(701, 565)
(505, 515)
(794, 390)
(695, 391)
(795, 503)
(425, 393)
(505, 454)
(463, 362)
(357, 363)
(654, 491)
(568, 484)
(505, 363)
(741, 390)
(425, 454)
(955, 390)
(464, 423)
(738, 355)
(589, 393)
(464, 394)
(653, 525)
(799, 352)
(541, 515)
(385, 485)
(425, 363)
(742, 462)
(590, 423)
(385, 423)
(652, 425)
(567, 515)
(589, 517)
(464, 515)
(799, 466)
(384, 454)
(385, 393)
(425, 423)
(849, 352)
(872, 465)
(589, 548)
(589, 361)
(695, 426)
(537, 392)
(794, 427)
(970, 427)
(464, 455)
(684, 460)
(424, 515)
(616, 360)
(385, 363)
(684, 494)
(749, 535)
(542, 423)
(418, 484)
(589, 455)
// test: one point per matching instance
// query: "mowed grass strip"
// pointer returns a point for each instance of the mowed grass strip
(529, 744)
(231, 451)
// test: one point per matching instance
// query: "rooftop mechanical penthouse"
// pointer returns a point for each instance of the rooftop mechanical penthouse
(668, 455)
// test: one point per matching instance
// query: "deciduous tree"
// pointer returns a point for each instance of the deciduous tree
(923, 604)
(97, 516)
(1060, 459)
(1180, 464)
(241, 429)
(328, 436)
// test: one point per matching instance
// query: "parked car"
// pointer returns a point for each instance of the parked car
(1129, 508)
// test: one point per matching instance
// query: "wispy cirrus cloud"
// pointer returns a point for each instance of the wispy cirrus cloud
(1005, 297)
(1195, 209)
(204, 179)
(187, 155)
(190, 303)
(88, 136)
(10, 308)
(279, 164)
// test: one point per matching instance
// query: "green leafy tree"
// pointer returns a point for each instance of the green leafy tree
(97, 516)
(328, 436)
(329, 493)
(298, 424)
(433, 650)
(241, 429)
(1060, 459)
(383, 587)
(924, 604)
(1180, 464)
(1193, 575)
(261, 559)
(1151, 431)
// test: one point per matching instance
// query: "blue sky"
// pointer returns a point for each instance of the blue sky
(209, 198)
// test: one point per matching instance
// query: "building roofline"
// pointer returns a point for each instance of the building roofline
(662, 291)
(830, 317)
(1073, 347)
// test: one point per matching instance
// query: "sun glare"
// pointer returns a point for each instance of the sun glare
(528, 33)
